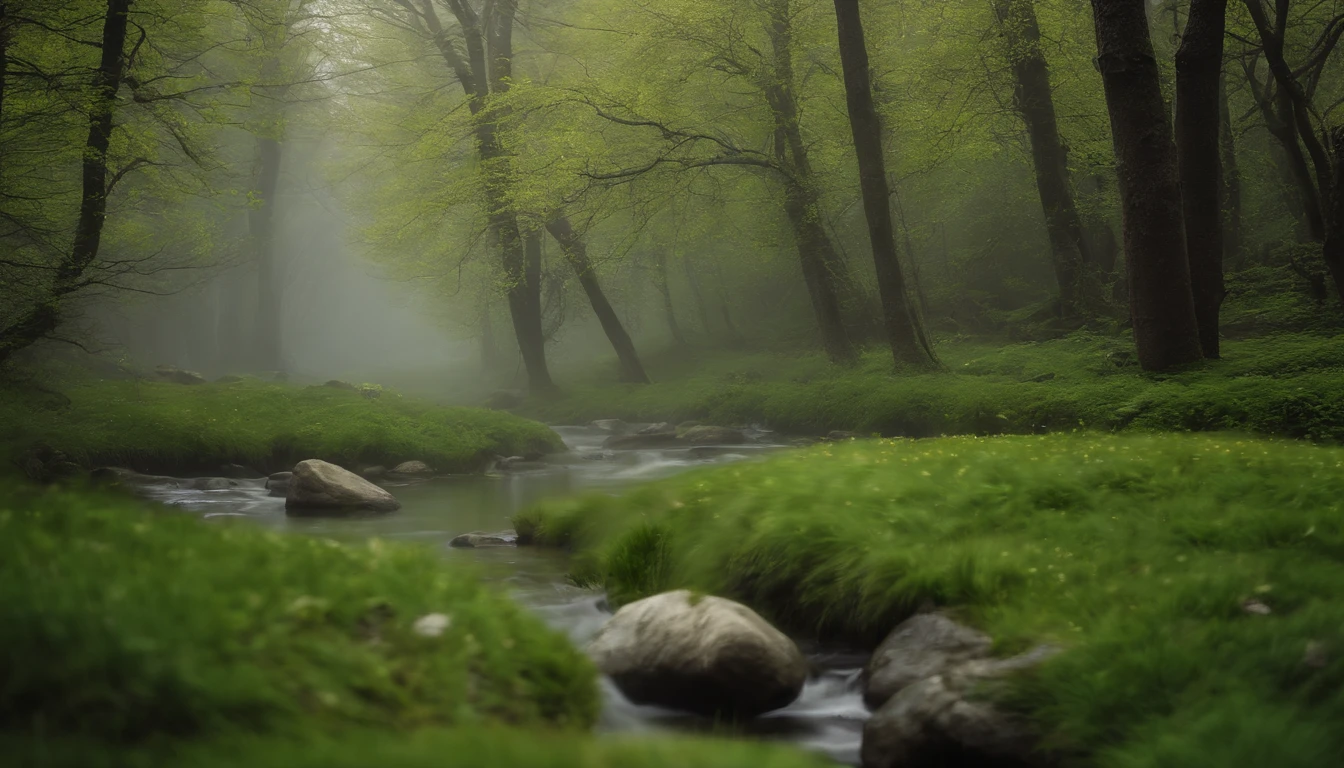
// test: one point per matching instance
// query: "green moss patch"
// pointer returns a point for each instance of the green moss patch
(165, 427)
(1196, 582)
(126, 626)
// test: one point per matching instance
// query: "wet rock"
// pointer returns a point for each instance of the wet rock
(317, 485)
(278, 483)
(923, 645)
(661, 428)
(611, 426)
(377, 470)
(709, 435)
(412, 468)
(503, 400)
(920, 681)
(703, 654)
(338, 384)
(211, 484)
(640, 440)
(478, 539)
(518, 464)
(685, 425)
(177, 375)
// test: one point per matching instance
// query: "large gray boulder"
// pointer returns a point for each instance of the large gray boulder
(922, 684)
(278, 483)
(317, 485)
(481, 539)
(412, 468)
(703, 654)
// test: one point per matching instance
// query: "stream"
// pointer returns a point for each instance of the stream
(828, 717)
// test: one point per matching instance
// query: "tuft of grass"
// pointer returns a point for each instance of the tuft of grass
(125, 626)
(154, 426)
(1149, 559)
(1289, 385)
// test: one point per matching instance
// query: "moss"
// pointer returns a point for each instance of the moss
(1137, 554)
(124, 626)
(1287, 385)
(170, 427)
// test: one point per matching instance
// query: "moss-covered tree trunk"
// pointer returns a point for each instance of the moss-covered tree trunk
(1199, 66)
(899, 319)
(1160, 300)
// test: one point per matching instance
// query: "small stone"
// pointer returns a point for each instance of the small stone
(1256, 607)
(431, 624)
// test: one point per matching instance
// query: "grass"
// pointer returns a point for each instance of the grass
(125, 626)
(1136, 554)
(165, 427)
(1290, 385)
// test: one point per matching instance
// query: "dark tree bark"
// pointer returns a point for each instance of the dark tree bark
(900, 321)
(6, 30)
(1199, 66)
(1035, 103)
(665, 290)
(576, 253)
(824, 272)
(1161, 303)
(261, 222)
(45, 316)
(1231, 179)
(1333, 248)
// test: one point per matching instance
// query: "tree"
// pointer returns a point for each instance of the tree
(1199, 68)
(1160, 298)
(1035, 103)
(900, 322)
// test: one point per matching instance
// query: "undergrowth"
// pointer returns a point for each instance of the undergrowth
(1196, 582)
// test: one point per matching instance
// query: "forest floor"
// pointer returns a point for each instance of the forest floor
(142, 637)
(1195, 582)
(1288, 385)
(164, 427)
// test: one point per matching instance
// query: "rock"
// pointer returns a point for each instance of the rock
(685, 425)
(212, 484)
(239, 472)
(707, 435)
(919, 684)
(518, 464)
(177, 375)
(837, 435)
(477, 539)
(338, 384)
(503, 400)
(597, 456)
(317, 485)
(640, 440)
(660, 428)
(922, 646)
(412, 468)
(278, 483)
(707, 655)
(611, 426)
(378, 470)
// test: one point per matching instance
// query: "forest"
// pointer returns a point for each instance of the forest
(652, 383)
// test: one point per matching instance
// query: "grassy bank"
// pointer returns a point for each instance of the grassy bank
(164, 427)
(1289, 385)
(1150, 559)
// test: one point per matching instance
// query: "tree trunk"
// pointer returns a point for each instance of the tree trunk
(261, 222)
(1199, 65)
(867, 131)
(576, 252)
(823, 271)
(44, 317)
(665, 289)
(697, 294)
(1333, 249)
(522, 268)
(1231, 179)
(1035, 103)
(6, 29)
(1161, 303)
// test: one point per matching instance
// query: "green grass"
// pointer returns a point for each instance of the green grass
(1289, 385)
(127, 626)
(164, 427)
(1134, 553)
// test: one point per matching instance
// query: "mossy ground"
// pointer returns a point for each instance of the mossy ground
(155, 426)
(1289, 385)
(1139, 555)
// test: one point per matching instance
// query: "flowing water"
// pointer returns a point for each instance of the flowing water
(828, 717)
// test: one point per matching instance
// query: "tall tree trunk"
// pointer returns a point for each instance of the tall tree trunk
(1199, 66)
(665, 290)
(576, 253)
(832, 293)
(522, 268)
(867, 130)
(45, 316)
(1333, 249)
(1035, 103)
(1231, 178)
(261, 222)
(6, 30)
(1161, 303)
(693, 279)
